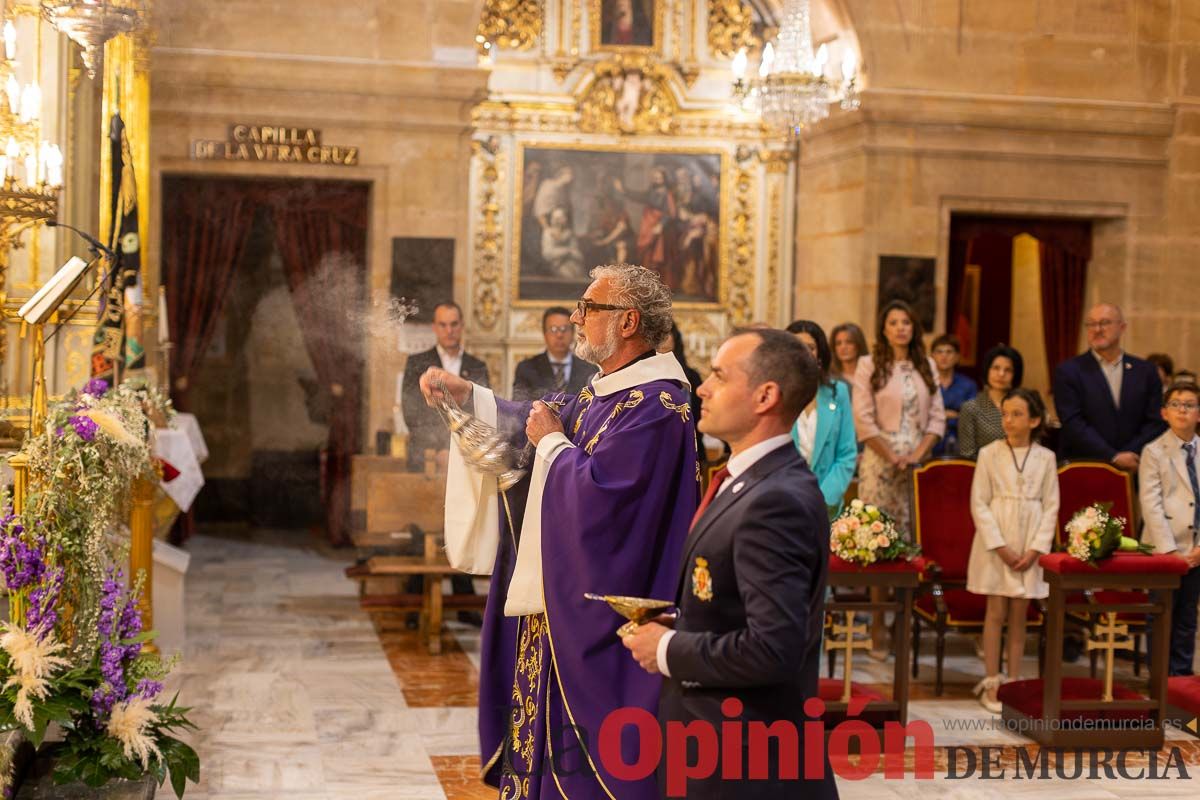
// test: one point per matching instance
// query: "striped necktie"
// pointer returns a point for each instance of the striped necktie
(1190, 449)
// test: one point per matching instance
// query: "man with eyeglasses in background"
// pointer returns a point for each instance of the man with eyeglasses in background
(555, 370)
(1108, 401)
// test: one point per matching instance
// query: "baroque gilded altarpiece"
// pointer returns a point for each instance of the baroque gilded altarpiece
(563, 82)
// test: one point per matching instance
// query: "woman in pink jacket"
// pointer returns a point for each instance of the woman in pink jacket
(898, 415)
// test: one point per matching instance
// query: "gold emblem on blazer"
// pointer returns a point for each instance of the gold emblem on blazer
(702, 580)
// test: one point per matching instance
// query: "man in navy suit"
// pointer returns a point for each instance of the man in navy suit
(751, 588)
(1108, 401)
(556, 369)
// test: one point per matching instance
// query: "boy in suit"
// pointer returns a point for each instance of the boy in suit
(751, 586)
(1170, 498)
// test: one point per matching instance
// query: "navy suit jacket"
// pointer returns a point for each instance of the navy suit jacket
(1092, 426)
(426, 431)
(762, 547)
(535, 377)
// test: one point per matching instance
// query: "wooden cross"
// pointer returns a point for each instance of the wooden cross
(848, 644)
(1109, 631)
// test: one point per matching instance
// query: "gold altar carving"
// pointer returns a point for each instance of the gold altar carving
(774, 214)
(628, 95)
(511, 24)
(740, 301)
(489, 238)
(730, 27)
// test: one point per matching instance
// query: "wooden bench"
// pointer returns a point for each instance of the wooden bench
(432, 569)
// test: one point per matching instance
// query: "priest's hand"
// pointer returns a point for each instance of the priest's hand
(459, 388)
(643, 644)
(541, 422)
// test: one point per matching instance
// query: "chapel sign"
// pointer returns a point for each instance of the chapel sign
(274, 144)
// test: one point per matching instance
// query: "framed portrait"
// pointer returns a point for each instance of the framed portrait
(626, 24)
(911, 279)
(578, 207)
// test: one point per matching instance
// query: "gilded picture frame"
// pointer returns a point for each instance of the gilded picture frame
(645, 34)
(565, 224)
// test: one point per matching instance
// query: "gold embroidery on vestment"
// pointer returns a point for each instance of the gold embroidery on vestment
(635, 397)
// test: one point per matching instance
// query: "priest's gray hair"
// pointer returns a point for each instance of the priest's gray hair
(643, 290)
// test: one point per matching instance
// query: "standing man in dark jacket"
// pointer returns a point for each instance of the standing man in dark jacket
(752, 582)
(556, 369)
(1108, 401)
(426, 431)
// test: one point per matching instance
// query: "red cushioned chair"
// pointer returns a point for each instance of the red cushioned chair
(1081, 483)
(944, 528)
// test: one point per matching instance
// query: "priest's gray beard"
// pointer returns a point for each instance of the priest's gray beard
(598, 353)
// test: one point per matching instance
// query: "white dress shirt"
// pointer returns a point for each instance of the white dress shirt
(738, 463)
(806, 432)
(1114, 373)
(452, 364)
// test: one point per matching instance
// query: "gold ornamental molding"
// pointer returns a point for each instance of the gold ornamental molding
(730, 28)
(511, 24)
(630, 94)
(774, 217)
(739, 300)
(489, 237)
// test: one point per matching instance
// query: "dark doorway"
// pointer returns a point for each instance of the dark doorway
(265, 280)
(980, 291)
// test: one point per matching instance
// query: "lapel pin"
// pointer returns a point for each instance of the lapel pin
(833, 406)
(737, 487)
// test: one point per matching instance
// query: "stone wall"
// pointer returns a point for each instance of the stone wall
(395, 78)
(1078, 109)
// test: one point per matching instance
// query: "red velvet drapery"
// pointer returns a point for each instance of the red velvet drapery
(321, 234)
(320, 241)
(1066, 248)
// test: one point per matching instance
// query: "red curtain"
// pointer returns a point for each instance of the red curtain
(321, 234)
(1064, 276)
(322, 242)
(206, 226)
(1066, 248)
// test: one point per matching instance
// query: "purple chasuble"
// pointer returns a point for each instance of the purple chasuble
(615, 514)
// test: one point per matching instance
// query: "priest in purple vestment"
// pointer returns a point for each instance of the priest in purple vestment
(605, 509)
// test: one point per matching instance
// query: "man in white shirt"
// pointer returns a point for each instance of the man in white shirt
(426, 431)
(751, 587)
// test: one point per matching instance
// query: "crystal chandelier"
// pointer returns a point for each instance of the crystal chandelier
(31, 168)
(792, 90)
(91, 23)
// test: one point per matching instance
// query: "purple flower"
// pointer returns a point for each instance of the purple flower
(42, 615)
(84, 426)
(96, 387)
(23, 564)
(148, 689)
(116, 627)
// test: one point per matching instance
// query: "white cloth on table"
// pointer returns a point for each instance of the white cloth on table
(175, 447)
(191, 426)
(1018, 509)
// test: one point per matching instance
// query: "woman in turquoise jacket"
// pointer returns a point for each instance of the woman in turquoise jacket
(824, 431)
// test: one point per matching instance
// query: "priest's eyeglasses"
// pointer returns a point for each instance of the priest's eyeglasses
(584, 306)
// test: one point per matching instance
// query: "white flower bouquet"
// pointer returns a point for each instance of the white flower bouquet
(866, 534)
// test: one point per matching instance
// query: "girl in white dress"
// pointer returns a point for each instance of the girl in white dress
(1014, 502)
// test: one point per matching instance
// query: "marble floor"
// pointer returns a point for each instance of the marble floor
(301, 695)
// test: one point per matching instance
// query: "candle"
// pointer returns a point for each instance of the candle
(10, 40)
(164, 330)
(30, 170)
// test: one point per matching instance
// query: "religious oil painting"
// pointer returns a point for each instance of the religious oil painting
(911, 279)
(578, 208)
(624, 24)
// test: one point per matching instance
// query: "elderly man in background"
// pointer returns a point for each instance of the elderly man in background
(1109, 402)
(607, 504)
